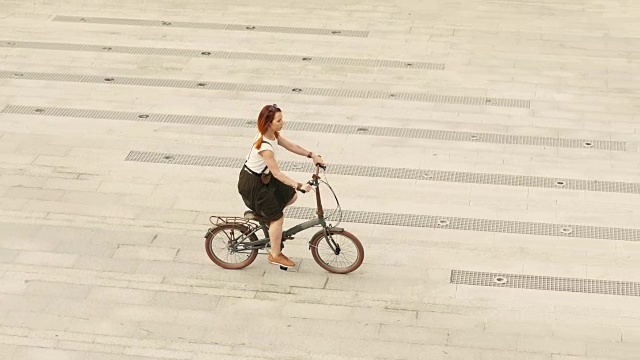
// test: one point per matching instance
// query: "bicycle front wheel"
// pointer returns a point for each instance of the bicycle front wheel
(340, 253)
(221, 246)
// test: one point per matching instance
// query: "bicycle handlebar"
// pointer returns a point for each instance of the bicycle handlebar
(313, 181)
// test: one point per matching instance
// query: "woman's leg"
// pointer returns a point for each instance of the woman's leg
(275, 236)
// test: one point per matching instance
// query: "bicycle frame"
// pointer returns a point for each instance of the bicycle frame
(287, 234)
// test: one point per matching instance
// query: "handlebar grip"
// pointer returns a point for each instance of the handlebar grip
(302, 191)
(323, 167)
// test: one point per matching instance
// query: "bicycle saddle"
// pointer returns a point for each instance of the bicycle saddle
(251, 215)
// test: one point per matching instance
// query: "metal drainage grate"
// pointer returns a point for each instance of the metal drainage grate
(275, 89)
(399, 173)
(549, 283)
(412, 220)
(412, 133)
(472, 224)
(222, 55)
(211, 26)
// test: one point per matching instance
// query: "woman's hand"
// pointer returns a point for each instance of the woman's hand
(317, 159)
(303, 188)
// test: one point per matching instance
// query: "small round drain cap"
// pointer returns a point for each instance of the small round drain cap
(107, 48)
(143, 116)
(39, 110)
(566, 230)
(306, 59)
(297, 90)
(587, 144)
(335, 32)
(250, 27)
(474, 137)
(296, 166)
(443, 222)
(109, 79)
(202, 84)
(168, 157)
(427, 175)
(500, 280)
(205, 53)
(408, 64)
(166, 23)
(362, 129)
(560, 183)
(18, 75)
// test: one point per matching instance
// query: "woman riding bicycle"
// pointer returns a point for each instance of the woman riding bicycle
(264, 188)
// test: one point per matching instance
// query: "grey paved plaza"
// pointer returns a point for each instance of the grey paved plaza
(485, 152)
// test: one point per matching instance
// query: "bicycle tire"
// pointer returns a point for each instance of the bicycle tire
(317, 250)
(209, 241)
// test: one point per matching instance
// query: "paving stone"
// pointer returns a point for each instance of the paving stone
(77, 209)
(46, 258)
(295, 279)
(102, 327)
(8, 350)
(72, 184)
(12, 286)
(612, 350)
(481, 339)
(186, 301)
(135, 313)
(7, 256)
(119, 295)
(145, 253)
(436, 320)
(163, 330)
(76, 307)
(106, 264)
(69, 291)
(35, 320)
(29, 353)
(85, 348)
(413, 334)
(552, 345)
(101, 235)
(21, 192)
(168, 268)
(125, 188)
(86, 247)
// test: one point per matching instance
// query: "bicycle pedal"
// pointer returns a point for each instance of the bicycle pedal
(284, 268)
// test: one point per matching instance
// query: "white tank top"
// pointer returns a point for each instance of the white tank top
(254, 161)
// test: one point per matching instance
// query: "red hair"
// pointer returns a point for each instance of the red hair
(265, 118)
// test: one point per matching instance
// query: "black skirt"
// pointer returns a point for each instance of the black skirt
(267, 201)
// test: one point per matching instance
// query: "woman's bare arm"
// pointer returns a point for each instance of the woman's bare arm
(297, 149)
(294, 148)
(270, 160)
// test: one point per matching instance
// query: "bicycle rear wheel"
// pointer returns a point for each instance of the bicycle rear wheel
(221, 246)
(347, 257)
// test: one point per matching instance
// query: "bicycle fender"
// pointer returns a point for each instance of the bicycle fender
(333, 230)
